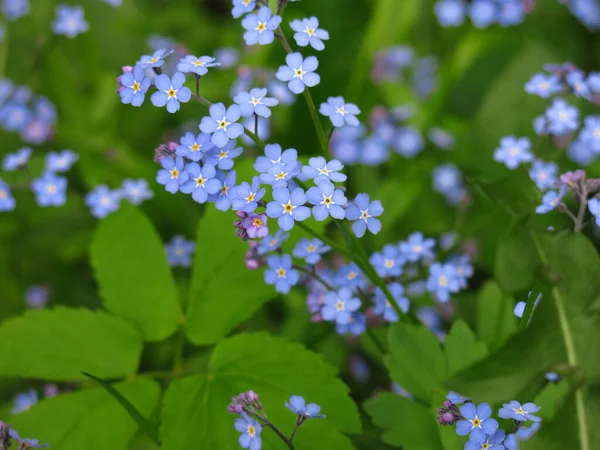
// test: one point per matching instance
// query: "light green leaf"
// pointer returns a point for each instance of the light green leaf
(462, 348)
(194, 409)
(516, 261)
(133, 274)
(495, 318)
(224, 292)
(551, 398)
(59, 344)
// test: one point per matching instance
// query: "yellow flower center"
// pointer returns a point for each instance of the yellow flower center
(200, 181)
(327, 200)
(261, 27)
(339, 305)
(174, 173)
(224, 189)
(299, 72)
(171, 93)
(281, 272)
(255, 101)
(514, 151)
(520, 411)
(250, 197)
(364, 214)
(324, 171)
(596, 133)
(562, 116)
(51, 189)
(280, 176)
(388, 263)
(247, 2)
(251, 431)
(222, 155)
(417, 248)
(443, 281)
(257, 222)
(352, 275)
(311, 248)
(136, 86)
(288, 207)
(341, 110)
(105, 201)
(476, 422)
(310, 31)
(153, 59)
(223, 124)
(3, 194)
(198, 63)
(544, 85)
(273, 243)
(195, 147)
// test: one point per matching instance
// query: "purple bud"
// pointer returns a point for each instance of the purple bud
(50, 390)
(448, 404)
(241, 214)
(252, 396)
(235, 408)
(127, 68)
(242, 397)
(164, 151)
(571, 178)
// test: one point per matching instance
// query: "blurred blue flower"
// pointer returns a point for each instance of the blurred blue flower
(581, 153)
(60, 161)
(482, 13)
(288, 207)
(349, 275)
(512, 12)
(456, 398)
(298, 405)
(562, 117)
(194, 147)
(179, 251)
(280, 273)
(543, 85)
(241, 7)
(135, 85)
(338, 306)
(578, 83)
(172, 174)
(228, 57)
(408, 142)
(102, 201)
(310, 250)
(339, 112)
(222, 124)
(24, 401)
(37, 296)
(441, 138)
(443, 280)
(69, 21)
(280, 91)
(543, 174)
(299, 72)
(416, 247)
(364, 213)
(50, 190)
(513, 151)
(17, 160)
(450, 13)
(463, 267)
(136, 191)
(356, 326)
(198, 66)
(25, 443)
(15, 9)
(255, 102)
(388, 262)
(593, 206)
(590, 133)
(307, 32)
(383, 306)
(271, 242)
(260, 26)
(447, 180)
(327, 201)
(171, 91)
(551, 200)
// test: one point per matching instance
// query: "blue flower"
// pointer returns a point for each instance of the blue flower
(442, 281)
(113, 3)
(338, 306)
(408, 142)
(327, 201)
(223, 198)
(476, 421)
(416, 248)
(223, 157)
(222, 124)
(450, 13)
(298, 405)
(157, 59)
(102, 201)
(17, 160)
(50, 190)
(578, 83)
(356, 326)
(593, 206)
(552, 377)
(179, 252)
(320, 170)
(274, 156)
(523, 433)
(511, 12)
(482, 13)
(339, 112)
(447, 180)
(280, 273)
(60, 161)
(24, 401)
(593, 81)
(551, 200)
(580, 152)
(513, 151)
(15, 116)
(194, 147)
(245, 197)
(514, 410)
(389, 262)
(478, 442)
(463, 267)
(590, 133)
(241, 7)
(69, 21)
(364, 213)
(136, 191)
(201, 181)
(374, 151)
(310, 250)
(280, 91)
(260, 26)
(271, 243)
(456, 398)
(171, 91)
(383, 306)
(135, 85)
(15, 9)
(288, 207)
(309, 33)
(544, 175)
(37, 296)
(255, 102)
(250, 429)
(198, 66)
(562, 117)
(543, 85)
(299, 72)
(172, 174)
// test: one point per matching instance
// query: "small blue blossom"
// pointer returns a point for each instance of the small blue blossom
(416, 248)
(408, 142)
(15, 116)
(255, 102)
(288, 207)
(320, 170)
(447, 180)
(577, 82)
(280, 273)
(102, 201)
(310, 250)
(245, 197)
(482, 13)
(327, 201)
(15, 9)
(60, 161)
(349, 275)
(383, 306)
(171, 91)
(513, 151)
(227, 56)
(562, 117)
(280, 91)
(157, 59)
(172, 174)
(113, 3)
(307, 32)
(37, 296)
(271, 242)
(463, 268)
(356, 326)
(69, 21)
(241, 7)
(593, 82)
(590, 133)
(339, 112)
(388, 262)
(222, 124)
(486, 442)
(50, 190)
(593, 206)
(194, 147)
(273, 156)
(223, 157)
(17, 160)
(543, 174)
(198, 66)
(179, 251)
(299, 72)
(250, 429)
(551, 200)
(201, 181)
(514, 410)
(443, 281)
(136, 191)
(552, 377)
(540, 125)
(374, 151)
(338, 306)
(511, 13)
(450, 13)
(543, 85)
(456, 398)
(24, 401)
(580, 152)
(477, 421)
(441, 138)
(364, 213)
(298, 405)
(135, 85)
(260, 26)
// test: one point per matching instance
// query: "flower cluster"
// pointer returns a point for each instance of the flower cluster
(483, 430)
(8, 435)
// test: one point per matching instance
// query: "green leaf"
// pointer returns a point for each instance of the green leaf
(408, 424)
(495, 318)
(516, 261)
(224, 292)
(194, 409)
(88, 419)
(551, 398)
(59, 344)
(462, 348)
(133, 274)
(416, 361)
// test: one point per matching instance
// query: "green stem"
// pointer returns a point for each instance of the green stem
(287, 441)
(375, 340)
(313, 274)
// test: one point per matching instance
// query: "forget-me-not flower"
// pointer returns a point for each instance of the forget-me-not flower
(338, 306)
(16, 160)
(136, 191)
(271, 242)
(172, 174)
(562, 117)
(416, 247)
(260, 26)
(408, 142)
(60, 161)
(179, 251)
(24, 401)
(513, 151)
(339, 112)
(486, 442)
(298, 405)
(514, 410)
(383, 306)
(69, 21)
(157, 59)
(201, 181)
(443, 280)
(222, 124)
(135, 85)
(356, 326)
(577, 82)
(250, 429)
(327, 201)
(222, 199)
(450, 13)
(195, 65)
(103, 201)
(477, 421)
(245, 197)
(241, 7)
(299, 72)
(255, 102)
(310, 250)
(288, 207)
(482, 13)
(50, 190)
(307, 32)
(544, 174)
(223, 157)
(388, 262)
(551, 200)
(15, 9)
(280, 273)
(320, 170)
(543, 85)
(171, 91)
(364, 213)
(593, 206)
(193, 147)
(590, 133)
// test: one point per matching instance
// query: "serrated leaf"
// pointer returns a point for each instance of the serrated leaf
(407, 424)
(495, 318)
(58, 344)
(194, 409)
(462, 348)
(224, 292)
(89, 419)
(133, 274)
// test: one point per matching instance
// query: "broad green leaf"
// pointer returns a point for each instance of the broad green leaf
(407, 424)
(495, 318)
(416, 361)
(58, 344)
(516, 261)
(224, 292)
(462, 348)
(195, 408)
(133, 274)
(88, 419)
(551, 398)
